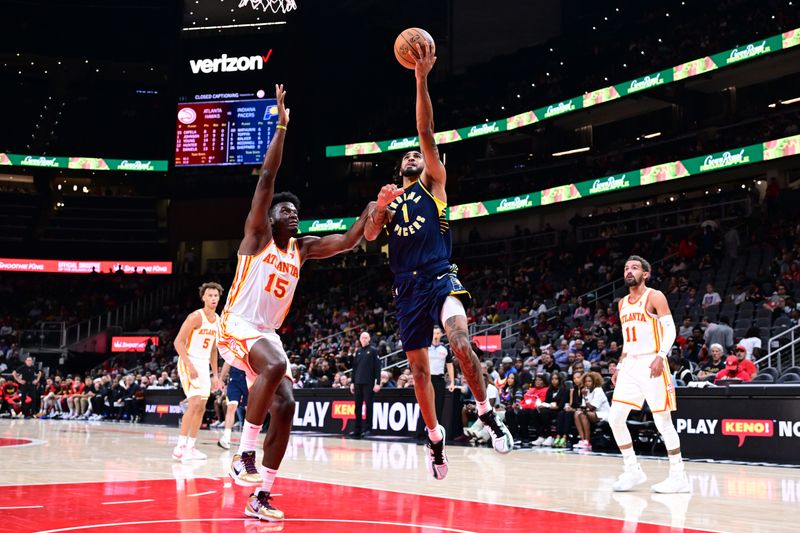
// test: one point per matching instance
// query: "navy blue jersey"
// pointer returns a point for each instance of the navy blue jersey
(419, 235)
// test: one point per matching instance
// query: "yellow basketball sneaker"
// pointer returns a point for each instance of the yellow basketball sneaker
(258, 506)
(243, 470)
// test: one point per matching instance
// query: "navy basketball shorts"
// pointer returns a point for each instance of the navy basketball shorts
(419, 298)
(237, 388)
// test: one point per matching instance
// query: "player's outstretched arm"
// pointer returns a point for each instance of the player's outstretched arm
(434, 169)
(257, 229)
(379, 212)
(330, 245)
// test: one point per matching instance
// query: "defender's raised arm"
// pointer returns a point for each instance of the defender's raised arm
(257, 228)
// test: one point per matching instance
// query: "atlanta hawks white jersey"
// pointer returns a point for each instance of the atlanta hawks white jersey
(264, 285)
(641, 332)
(202, 340)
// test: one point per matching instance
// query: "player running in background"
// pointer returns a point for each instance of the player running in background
(643, 374)
(269, 261)
(196, 345)
(237, 395)
(426, 289)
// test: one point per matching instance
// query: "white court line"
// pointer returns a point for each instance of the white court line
(202, 493)
(186, 520)
(22, 507)
(128, 501)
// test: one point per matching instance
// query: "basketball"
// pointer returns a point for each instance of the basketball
(405, 46)
(556, 202)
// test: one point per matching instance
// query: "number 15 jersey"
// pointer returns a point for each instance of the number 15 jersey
(264, 285)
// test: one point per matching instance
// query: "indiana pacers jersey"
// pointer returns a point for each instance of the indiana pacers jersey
(641, 332)
(419, 234)
(264, 285)
(202, 340)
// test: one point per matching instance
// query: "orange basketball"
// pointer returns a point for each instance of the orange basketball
(405, 46)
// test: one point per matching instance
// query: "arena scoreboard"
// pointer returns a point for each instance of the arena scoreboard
(224, 132)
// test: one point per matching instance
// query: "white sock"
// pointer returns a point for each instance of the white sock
(675, 462)
(190, 442)
(435, 434)
(628, 456)
(484, 407)
(182, 441)
(268, 479)
(226, 434)
(249, 440)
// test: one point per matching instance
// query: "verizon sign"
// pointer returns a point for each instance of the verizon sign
(229, 64)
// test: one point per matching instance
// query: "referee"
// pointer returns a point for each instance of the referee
(439, 358)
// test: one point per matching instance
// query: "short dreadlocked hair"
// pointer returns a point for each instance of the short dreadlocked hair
(282, 197)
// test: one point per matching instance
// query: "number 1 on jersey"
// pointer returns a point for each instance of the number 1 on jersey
(279, 291)
(630, 334)
(405, 213)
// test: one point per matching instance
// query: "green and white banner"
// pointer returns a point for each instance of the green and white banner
(84, 163)
(685, 70)
(331, 225)
(672, 170)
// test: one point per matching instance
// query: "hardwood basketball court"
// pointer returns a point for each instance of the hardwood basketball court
(76, 476)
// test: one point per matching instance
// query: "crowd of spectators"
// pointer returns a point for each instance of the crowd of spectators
(656, 37)
(95, 395)
(518, 173)
(565, 337)
(29, 301)
(512, 166)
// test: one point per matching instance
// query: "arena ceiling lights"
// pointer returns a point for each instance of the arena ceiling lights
(208, 15)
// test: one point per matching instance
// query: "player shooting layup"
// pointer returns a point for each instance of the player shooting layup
(266, 276)
(643, 374)
(196, 345)
(426, 289)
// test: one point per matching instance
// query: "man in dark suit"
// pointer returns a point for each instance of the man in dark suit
(366, 382)
(28, 378)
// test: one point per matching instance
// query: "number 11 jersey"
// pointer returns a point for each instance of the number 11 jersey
(641, 331)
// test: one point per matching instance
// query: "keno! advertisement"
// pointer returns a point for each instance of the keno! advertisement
(740, 423)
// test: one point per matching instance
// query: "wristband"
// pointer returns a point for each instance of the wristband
(281, 127)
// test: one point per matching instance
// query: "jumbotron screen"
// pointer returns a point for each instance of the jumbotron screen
(224, 132)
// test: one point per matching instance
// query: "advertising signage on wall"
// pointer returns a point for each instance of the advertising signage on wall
(76, 266)
(673, 170)
(136, 343)
(229, 64)
(84, 163)
(743, 423)
(326, 226)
